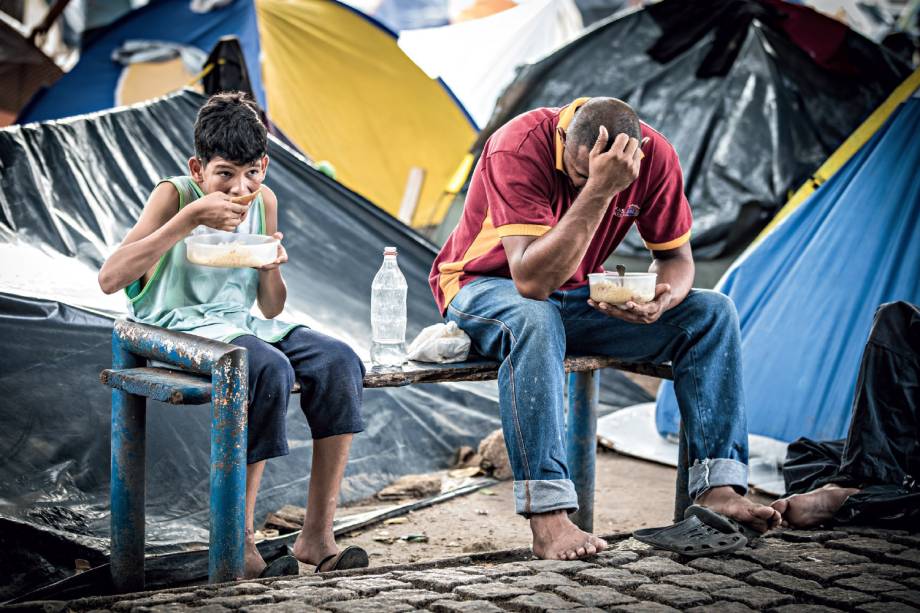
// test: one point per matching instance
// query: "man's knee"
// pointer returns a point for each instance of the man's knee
(536, 318)
(714, 305)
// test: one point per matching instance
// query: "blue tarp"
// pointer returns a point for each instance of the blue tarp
(807, 293)
(91, 85)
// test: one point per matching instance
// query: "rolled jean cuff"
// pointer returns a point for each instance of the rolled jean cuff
(544, 496)
(707, 474)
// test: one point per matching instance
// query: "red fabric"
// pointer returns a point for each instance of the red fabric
(516, 182)
(818, 35)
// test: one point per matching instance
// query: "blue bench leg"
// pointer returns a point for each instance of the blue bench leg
(230, 380)
(581, 432)
(128, 482)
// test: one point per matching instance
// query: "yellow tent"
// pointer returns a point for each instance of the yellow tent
(339, 86)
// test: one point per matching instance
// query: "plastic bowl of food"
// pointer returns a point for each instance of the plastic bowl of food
(610, 287)
(231, 250)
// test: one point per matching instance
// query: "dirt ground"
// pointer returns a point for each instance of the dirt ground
(629, 494)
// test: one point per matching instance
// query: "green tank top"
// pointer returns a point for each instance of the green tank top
(211, 302)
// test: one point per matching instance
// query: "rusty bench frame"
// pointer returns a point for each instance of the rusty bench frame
(203, 371)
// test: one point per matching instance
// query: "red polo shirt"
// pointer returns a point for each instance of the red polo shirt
(519, 189)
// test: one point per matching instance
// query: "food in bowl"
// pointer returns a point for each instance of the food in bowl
(231, 250)
(613, 289)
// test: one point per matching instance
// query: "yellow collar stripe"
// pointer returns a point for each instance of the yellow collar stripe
(565, 119)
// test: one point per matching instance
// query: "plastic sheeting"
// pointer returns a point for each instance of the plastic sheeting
(96, 82)
(478, 58)
(69, 191)
(753, 96)
(807, 293)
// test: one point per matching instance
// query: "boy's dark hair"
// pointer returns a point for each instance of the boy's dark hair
(229, 126)
(616, 115)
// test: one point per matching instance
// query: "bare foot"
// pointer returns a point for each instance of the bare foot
(555, 537)
(728, 502)
(813, 508)
(314, 548)
(253, 564)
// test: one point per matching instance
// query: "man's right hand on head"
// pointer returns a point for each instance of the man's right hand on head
(614, 170)
(216, 210)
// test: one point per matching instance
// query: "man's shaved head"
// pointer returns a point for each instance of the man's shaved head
(617, 116)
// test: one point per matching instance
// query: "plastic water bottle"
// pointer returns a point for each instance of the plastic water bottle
(388, 313)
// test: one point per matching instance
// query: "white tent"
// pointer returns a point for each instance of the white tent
(478, 58)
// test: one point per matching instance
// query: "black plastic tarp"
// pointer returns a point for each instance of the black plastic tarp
(753, 95)
(69, 191)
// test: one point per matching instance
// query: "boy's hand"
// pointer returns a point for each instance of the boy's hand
(216, 210)
(282, 255)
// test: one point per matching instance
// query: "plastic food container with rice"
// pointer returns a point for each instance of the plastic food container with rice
(610, 287)
(231, 250)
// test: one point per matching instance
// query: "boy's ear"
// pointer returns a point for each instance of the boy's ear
(195, 169)
(264, 163)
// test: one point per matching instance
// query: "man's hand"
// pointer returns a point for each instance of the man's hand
(216, 210)
(613, 171)
(282, 255)
(635, 312)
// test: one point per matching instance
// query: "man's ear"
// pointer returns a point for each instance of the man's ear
(196, 169)
(561, 134)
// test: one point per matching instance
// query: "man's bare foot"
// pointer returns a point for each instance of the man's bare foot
(813, 508)
(312, 548)
(555, 537)
(728, 502)
(253, 564)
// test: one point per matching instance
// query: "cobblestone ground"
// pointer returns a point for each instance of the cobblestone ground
(788, 572)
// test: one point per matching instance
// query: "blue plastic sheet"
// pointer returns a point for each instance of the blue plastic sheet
(91, 84)
(806, 294)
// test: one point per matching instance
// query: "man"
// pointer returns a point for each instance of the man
(553, 194)
(872, 476)
(224, 191)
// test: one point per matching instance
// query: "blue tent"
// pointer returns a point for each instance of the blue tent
(92, 83)
(806, 294)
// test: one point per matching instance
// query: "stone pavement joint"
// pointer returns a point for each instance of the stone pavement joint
(790, 571)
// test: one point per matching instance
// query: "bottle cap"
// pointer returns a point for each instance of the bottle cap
(389, 251)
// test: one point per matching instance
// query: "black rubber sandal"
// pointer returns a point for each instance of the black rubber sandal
(281, 567)
(691, 538)
(721, 522)
(350, 557)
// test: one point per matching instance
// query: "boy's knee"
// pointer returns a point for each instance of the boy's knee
(341, 360)
(274, 369)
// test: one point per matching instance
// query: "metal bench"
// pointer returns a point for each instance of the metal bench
(202, 371)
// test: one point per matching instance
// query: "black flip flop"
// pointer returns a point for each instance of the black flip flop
(691, 538)
(350, 557)
(721, 522)
(281, 567)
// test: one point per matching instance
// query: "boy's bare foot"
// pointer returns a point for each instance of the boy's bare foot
(314, 548)
(813, 508)
(555, 537)
(728, 502)
(253, 564)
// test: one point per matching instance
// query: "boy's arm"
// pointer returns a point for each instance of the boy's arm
(162, 225)
(272, 290)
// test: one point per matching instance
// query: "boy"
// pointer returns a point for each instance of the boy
(166, 290)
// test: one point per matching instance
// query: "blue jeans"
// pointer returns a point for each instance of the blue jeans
(531, 338)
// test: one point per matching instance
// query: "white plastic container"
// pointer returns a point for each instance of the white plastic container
(609, 287)
(231, 250)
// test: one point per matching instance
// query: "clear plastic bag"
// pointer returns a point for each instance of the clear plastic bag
(440, 343)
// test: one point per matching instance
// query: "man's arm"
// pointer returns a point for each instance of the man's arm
(272, 291)
(540, 266)
(162, 225)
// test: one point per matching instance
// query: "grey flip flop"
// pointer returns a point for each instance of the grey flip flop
(721, 522)
(691, 538)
